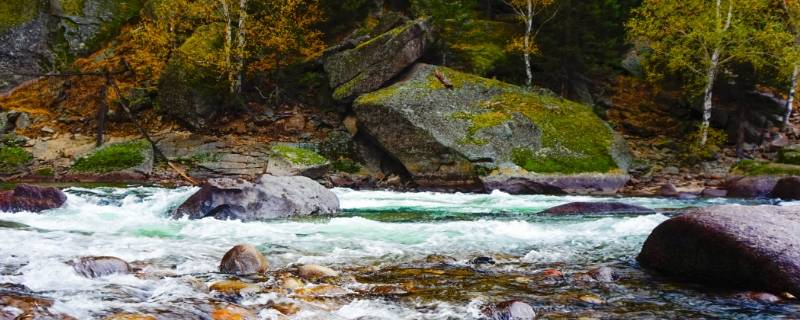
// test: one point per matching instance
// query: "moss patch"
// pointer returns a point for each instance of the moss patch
(346, 165)
(12, 159)
(299, 156)
(479, 122)
(789, 156)
(17, 12)
(72, 7)
(758, 168)
(113, 157)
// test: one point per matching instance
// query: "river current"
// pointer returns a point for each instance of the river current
(430, 240)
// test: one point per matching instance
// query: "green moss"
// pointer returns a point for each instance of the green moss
(758, 168)
(72, 7)
(17, 12)
(573, 138)
(346, 165)
(299, 156)
(113, 157)
(13, 158)
(790, 156)
(479, 122)
(45, 172)
(481, 48)
(388, 34)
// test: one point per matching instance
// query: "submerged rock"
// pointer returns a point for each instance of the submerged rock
(510, 310)
(751, 187)
(243, 259)
(313, 271)
(597, 208)
(787, 189)
(749, 247)
(269, 197)
(456, 131)
(31, 198)
(95, 267)
(18, 302)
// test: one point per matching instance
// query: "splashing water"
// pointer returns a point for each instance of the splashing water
(378, 230)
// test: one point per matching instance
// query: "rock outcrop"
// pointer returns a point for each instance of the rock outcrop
(31, 198)
(286, 160)
(95, 267)
(374, 62)
(270, 197)
(597, 208)
(243, 259)
(454, 130)
(748, 247)
(787, 189)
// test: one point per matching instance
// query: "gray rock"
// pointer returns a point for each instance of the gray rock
(95, 267)
(510, 310)
(270, 197)
(243, 259)
(532, 183)
(371, 64)
(714, 193)
(597, 208)
(749, 247)
(287, 160)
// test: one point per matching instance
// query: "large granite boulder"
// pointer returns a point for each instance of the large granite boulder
(374, 62)
(787, 189)
(455, 130)
(597, 208)
(751, 187)
(269, 197)
(747, 247)
(31, 198)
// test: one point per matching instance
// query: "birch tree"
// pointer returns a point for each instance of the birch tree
(527, 11)
(792, 17)
(696, 39)
(234, 52)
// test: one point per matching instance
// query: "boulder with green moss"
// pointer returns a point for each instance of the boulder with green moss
(189, 90)
(455, 130)
(374, 62)
(287, 160)
(790, 155)
(88, 24)
(132, 157)
(13, 159)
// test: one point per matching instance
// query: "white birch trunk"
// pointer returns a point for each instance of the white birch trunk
(708, 96)
(527, 44)
(792, 92)
(240, 48)
(228, 43)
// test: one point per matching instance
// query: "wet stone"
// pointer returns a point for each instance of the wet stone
(95, 267)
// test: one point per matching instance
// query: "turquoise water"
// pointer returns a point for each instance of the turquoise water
(381, 238)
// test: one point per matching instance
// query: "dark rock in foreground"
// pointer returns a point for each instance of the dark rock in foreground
(243, 259)
(31, 198)
(754, 248)
(597, 208)
(751, 187)
(95, 267)
(269, 197)
(787, 189)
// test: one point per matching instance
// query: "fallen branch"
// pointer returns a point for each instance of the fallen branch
(443, 79)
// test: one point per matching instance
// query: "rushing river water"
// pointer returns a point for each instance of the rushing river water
(420, 240)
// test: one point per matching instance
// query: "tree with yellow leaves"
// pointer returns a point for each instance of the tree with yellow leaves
(527, 11)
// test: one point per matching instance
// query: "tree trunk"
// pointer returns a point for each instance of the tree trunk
(240, 48)
(708, 96)
(228, 44)
(790, 98)
(527, 44)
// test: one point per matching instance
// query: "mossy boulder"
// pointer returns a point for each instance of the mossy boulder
(13, 159)
(288, 160)
(374, 62)
(88, 24)
(790, 155)
(453, 129)
(125, 157)
(190, 89)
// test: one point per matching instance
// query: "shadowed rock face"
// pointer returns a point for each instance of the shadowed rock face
(95, 267)
(751, 187)
(597, 208)
(243, 259)
(755, 248)
(787, 189)
(269, 197)
(31, 198)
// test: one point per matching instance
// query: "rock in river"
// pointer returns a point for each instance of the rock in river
(31, 198)
(510, 310)
(269, 197)
(597, 208)
(748, 247)
(95, 267)
(243, 259)
(751, 187)
(787, 189)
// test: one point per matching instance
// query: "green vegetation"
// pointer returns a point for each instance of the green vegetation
(113, 157)
(479, 122)
(573, 138)
(758, 168)
(17, 12)
(790, 155)
(45, 172)
(299, 156)
(72, 7)
(13, 158)
(346, 165)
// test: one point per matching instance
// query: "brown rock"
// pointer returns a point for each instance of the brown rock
(31, 198)
(714, 193)
(750, 187)
(597, 208)
(243, 259)
(787, 189)
(95, 267)
(313, 271)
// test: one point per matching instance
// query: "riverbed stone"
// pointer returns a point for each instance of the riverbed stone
(597, 208)
(269, 197)
(751, 187)
(31, 198)
(243, 259)
(787, 189)
(313, 271)
(748, 247)
(95, 267)
(510, 310)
